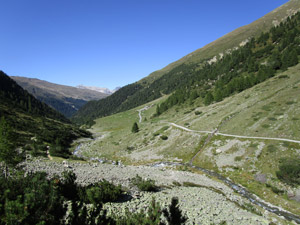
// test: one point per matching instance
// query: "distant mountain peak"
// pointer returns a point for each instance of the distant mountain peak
(98, 89)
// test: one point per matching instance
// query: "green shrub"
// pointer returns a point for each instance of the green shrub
(290, 102)
(102, 192)
(174, 214)
(283, 76)
(238, 158)
(198, 113)
(135, 128)
(289, 171)
(144, 185)
(164, 137)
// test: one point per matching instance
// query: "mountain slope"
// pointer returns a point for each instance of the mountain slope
(65, 99)
(232, 40)
(31, 119)
(180, 75)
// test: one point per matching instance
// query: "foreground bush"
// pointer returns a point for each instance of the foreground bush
(289, 171)
(143, 184)
(36, 199)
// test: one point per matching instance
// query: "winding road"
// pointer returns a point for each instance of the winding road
(237, 136)
(143, 109)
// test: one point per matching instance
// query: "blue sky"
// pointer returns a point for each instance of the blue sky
(109, 43)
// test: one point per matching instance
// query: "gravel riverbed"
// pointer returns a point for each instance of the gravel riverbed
(212, 203)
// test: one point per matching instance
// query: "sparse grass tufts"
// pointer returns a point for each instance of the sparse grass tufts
(271, 148)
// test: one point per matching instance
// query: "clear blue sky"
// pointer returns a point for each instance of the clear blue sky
(111, 43)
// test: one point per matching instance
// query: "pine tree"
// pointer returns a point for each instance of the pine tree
(8, 154)
(174, 215)
(209, 98)
(135, 128)
(218, 95)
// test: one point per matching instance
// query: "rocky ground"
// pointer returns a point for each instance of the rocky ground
(211, 202)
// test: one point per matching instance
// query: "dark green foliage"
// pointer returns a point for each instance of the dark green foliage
(289, 171)
(164, 137)
(144, 185)
(174, 214)
(135, 128)
(102, 192)
(8, 153)
(198, 113)
(209, 98)
(11, 94)
(68, 186)
(29, 118)
(36, 199)
(31, 200)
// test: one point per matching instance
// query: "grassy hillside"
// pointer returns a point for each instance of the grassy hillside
(240, 68)
(65, 99)
(34, 123)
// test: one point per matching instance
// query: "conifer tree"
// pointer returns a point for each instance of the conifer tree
(209, 98)
(174, 215)
(135, 128)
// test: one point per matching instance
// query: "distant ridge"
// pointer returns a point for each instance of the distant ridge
(65, 99)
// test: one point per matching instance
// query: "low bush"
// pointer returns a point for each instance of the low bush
(198, 113)
(164, 137)
(143, 184)
(102, 192)
(289, 171)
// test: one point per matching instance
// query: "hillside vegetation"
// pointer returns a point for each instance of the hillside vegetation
(34, 123)
(191, 72)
